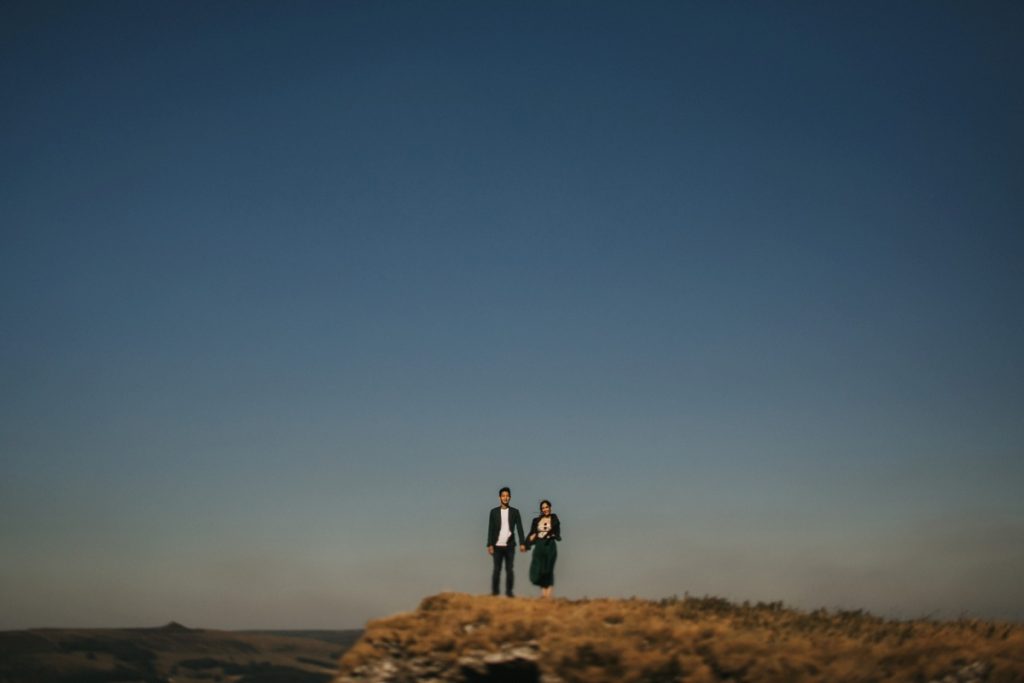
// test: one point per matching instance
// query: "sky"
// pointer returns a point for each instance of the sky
(288, 291)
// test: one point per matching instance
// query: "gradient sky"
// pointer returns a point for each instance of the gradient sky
(288, 291)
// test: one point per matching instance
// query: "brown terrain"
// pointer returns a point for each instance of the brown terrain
(455, 637)
(170, 654)
(461, 638)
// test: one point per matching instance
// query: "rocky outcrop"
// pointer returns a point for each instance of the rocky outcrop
(455, 638)
(512, 663)
(975, 672)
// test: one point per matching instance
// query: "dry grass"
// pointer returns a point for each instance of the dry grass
(692, 639)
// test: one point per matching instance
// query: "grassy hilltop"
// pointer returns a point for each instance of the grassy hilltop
(455, 637)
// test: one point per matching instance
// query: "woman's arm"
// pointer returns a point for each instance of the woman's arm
(533, 532)
(556, 527)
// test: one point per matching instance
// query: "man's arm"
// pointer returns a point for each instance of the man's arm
(492, 533)
(522, 537)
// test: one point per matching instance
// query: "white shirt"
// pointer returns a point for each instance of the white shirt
(505, 531)
(543, 527)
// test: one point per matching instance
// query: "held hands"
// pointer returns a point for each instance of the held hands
(490, 549)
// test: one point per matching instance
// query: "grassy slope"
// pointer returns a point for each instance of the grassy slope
(694, 639)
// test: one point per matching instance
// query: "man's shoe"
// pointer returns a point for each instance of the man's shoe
(510, 595)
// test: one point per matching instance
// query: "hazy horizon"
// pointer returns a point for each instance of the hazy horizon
(288, 293)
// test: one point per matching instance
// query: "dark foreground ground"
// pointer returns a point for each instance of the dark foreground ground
(171, 654)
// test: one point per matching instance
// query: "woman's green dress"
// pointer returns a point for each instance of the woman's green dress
(542, 566)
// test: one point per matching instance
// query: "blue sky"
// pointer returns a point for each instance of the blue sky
(287, 293)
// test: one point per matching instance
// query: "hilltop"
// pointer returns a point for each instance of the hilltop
(455, 637)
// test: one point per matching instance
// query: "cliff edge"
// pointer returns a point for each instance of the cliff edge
(461, 638)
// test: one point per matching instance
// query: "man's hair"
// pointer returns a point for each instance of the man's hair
(503, 489)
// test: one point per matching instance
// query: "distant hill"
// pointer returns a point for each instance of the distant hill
(462, 638)
(174, 627)
(170, 653)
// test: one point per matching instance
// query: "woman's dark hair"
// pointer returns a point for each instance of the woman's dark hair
(503, 489)
(545, 502)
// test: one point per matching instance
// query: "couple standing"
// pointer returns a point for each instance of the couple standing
(501, 544)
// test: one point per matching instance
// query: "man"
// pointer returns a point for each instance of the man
(501, 540)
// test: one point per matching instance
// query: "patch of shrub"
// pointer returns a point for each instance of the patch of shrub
(669, 672)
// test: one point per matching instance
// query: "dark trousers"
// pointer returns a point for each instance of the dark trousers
(506, 554)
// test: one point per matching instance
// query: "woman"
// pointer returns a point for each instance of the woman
(544, 531)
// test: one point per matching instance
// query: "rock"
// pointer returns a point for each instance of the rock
(975, 672)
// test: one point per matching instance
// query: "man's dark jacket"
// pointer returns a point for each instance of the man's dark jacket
(515, 523)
